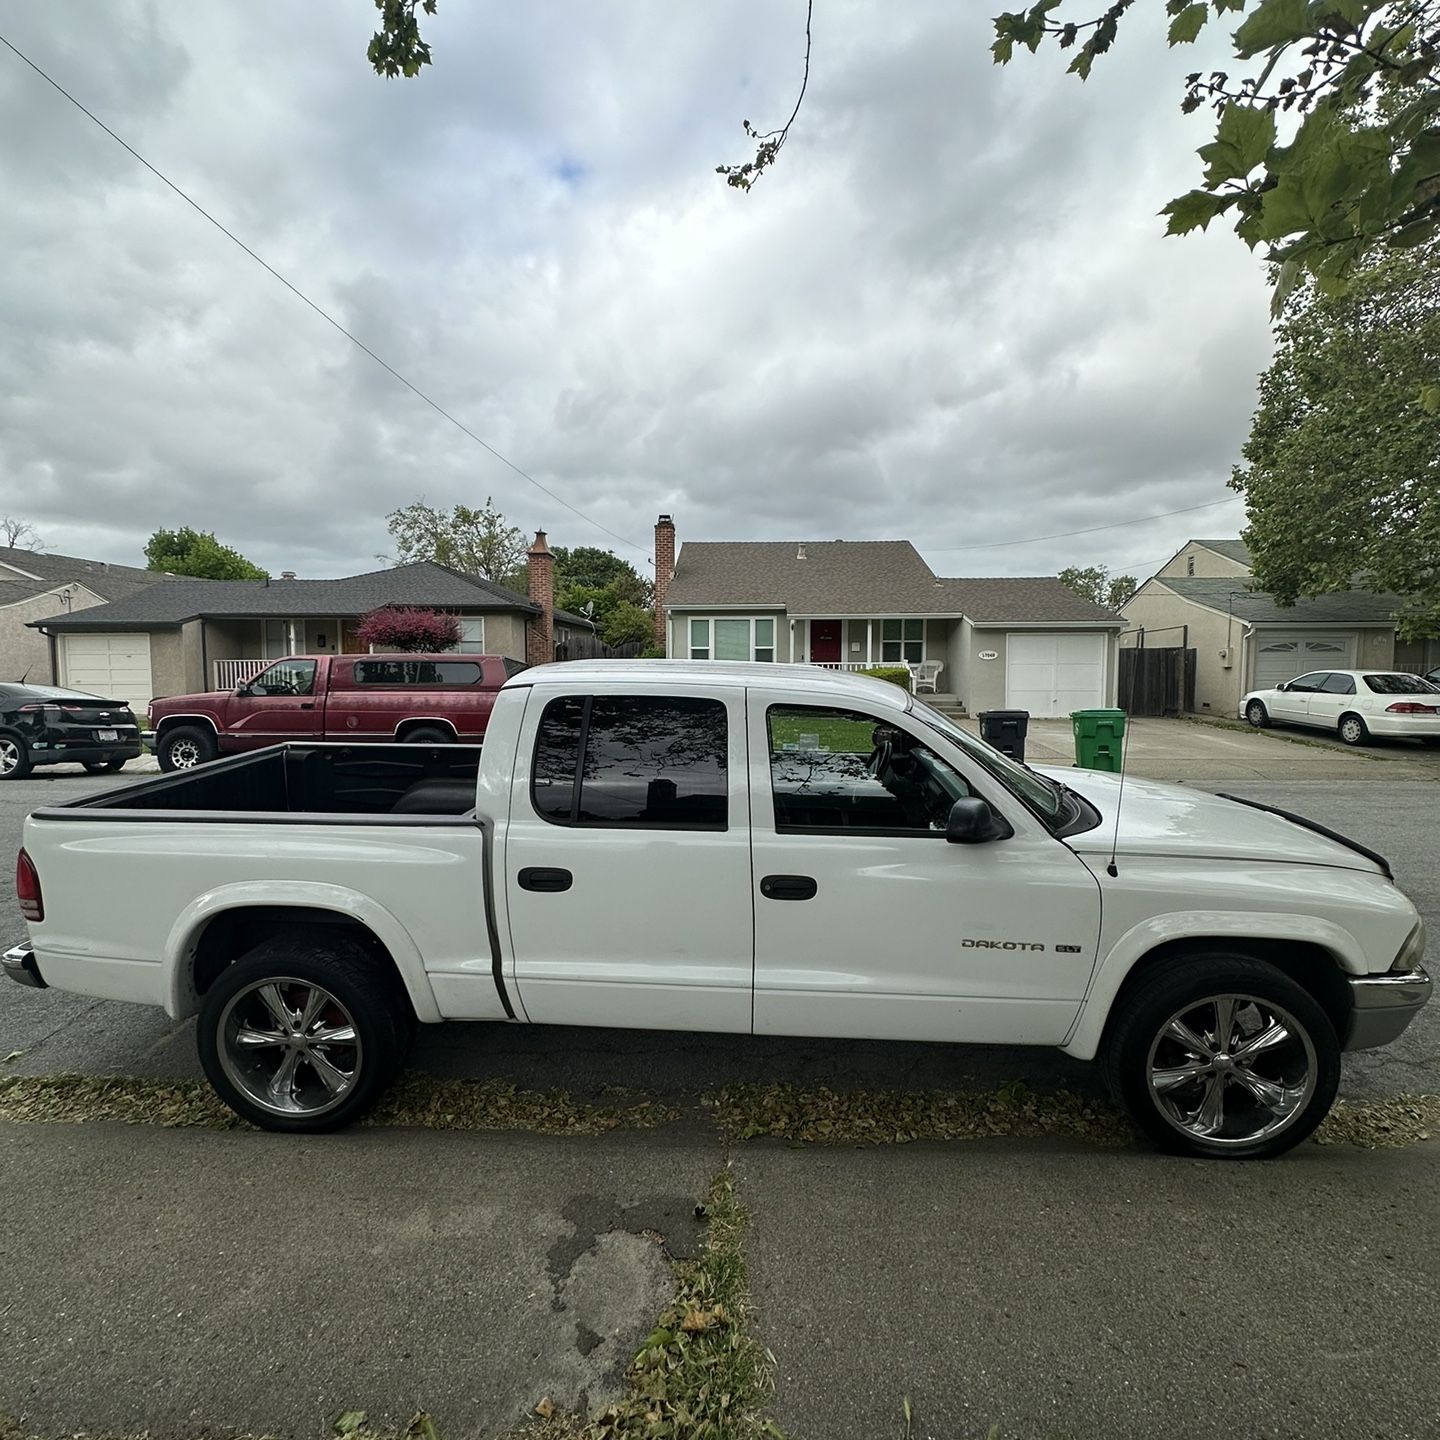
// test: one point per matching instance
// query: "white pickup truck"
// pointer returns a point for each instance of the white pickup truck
(750, 848)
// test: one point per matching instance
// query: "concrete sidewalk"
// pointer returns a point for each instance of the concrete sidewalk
(200, 1282)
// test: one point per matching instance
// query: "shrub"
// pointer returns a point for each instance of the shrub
(408, 628)
(895, 674)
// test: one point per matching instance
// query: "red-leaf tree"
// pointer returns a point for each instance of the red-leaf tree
(408, 628)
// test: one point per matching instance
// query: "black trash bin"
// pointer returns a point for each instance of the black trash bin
(1006, 730)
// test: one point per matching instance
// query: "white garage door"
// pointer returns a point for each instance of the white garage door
(1054, 674)
(1280, 658)
(114, 666)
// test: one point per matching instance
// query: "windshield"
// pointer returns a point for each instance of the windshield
(1041, 795)
(1398, 684)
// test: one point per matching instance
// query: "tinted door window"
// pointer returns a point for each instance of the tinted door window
(289, 677)
(657, 762)
(1338, 685)
(434, 673)
(844, 770)
(1309, 683)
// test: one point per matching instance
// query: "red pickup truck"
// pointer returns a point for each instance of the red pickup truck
(427, 699)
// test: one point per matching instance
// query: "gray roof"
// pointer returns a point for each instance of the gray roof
(43, 573)
(1025, 600)
(1344, 607)
(421, 583)
(862, 577)
(836, 577)
(1236, 550)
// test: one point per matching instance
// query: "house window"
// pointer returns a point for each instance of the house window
(652, 762)
(472, 635)
(732, 638)
(902, 641)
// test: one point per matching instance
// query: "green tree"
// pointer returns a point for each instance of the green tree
(627, 624)
(588, 565)
(477, 542)
(1360, 77)
(1096, 584)
(198, 552)
(1342, 479)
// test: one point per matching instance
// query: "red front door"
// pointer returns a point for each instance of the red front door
(824, 642)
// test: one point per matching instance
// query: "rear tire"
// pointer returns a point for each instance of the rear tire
(185, 747)
(1353, 730)
(1257, 714)
(427, 735)
(14, 758)
(103, 767)
(305, 1033)
(1178, 1057)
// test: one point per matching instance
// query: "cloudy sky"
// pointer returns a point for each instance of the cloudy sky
(948, 314)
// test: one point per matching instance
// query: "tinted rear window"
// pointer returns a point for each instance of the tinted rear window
(436, 674)
(656, 762)
(1398, 684)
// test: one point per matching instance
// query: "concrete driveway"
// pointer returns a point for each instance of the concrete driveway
(1205, 751)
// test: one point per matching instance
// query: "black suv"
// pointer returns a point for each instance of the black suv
(40, 725)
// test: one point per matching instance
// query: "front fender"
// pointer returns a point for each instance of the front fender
(1083, 1042)
(181, 998)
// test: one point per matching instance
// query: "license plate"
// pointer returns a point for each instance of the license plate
(107, 734)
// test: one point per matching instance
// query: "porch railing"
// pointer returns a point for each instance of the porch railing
(230, 673)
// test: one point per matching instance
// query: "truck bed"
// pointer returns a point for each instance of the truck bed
(397, 784)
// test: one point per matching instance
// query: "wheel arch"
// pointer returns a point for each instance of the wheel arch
(169, 722)
(225, 924)
(1314, 953)
(425, 722)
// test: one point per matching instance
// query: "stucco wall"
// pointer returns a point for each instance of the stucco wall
(1163, 614)
(1376, 650)
(505, 634)
(192, 657)
(984, 679)
(27, 652)
(1207, 564)
(168, 675)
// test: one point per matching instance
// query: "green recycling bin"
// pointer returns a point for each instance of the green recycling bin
(1099, 738)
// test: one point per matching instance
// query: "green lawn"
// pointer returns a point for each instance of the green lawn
(834, 732)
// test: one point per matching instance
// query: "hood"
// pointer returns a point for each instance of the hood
(1177, 822)
(201, 697)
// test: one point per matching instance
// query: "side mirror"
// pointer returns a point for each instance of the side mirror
(1283, 685)
(972, 822)
(243, 690)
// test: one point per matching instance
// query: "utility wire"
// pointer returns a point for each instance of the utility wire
(1091, 530)
(319, 310)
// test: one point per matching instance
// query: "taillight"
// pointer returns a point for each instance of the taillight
(27, 888)
(1409, 707)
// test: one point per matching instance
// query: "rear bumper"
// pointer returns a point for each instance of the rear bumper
(1383, 1005)
(85, 754)
(1417, 727)
(19, 964)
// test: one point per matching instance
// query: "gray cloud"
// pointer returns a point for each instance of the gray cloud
(948, 314)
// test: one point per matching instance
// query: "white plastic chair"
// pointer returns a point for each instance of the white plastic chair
(925, 675)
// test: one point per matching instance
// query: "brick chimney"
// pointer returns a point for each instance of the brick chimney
(540, 629)
(664, 572)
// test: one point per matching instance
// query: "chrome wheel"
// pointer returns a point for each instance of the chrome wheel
(290, 1046)
(184, 755)
(1231, 1070)
(10, 757)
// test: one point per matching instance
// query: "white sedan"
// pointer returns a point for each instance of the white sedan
(1355, 704)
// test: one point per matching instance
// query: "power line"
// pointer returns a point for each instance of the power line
(319, 310)
(1092, 530)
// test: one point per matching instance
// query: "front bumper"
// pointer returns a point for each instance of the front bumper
(19, 964)
(1383, 1005)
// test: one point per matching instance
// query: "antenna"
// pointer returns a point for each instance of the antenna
(1112, 870)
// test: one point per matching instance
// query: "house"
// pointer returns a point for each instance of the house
(1001, 643)
(182, 636)
(34, 585)
(1203, 598)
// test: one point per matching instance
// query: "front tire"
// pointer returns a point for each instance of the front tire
(1222, 1056)
(185, 747)
(1353, 730)
(1257, 714)
(304, 1034)
(15, 761)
